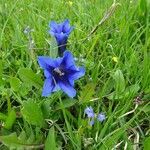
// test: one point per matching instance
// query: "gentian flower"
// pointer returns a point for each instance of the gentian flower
(61, 33)
(60, 73)
(101, 117)
(89, 112)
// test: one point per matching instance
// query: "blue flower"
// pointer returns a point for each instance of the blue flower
(91, 115)
(89, 112)
(101, 117)
(91, 122)
(61, 33)
(60, 73)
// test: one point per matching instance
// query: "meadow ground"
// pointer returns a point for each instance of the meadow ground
(117, 80)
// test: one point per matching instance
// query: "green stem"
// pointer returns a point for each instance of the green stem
(8, 104)
(68, 126)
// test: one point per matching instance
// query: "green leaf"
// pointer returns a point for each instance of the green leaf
(11, 141)
(10, 120)
(119, 82)
(146, 109)
(22, 136)
(87, 92)
(143, 6)
(53, 48)
(18, 143)
(32, 113)
(1, 71)
(109, 143)
(30, 78)
(66, 103)
(3, 117)
(50, 143)
(129, 91)
(24, 89)
(1, 68)
(14, 83)
(132, 90)
(31, 138)
(147, 143)
(45, 106)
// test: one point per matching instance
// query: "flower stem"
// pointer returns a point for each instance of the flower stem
(66, 121)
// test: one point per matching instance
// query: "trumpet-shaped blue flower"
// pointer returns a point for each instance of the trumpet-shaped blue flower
(61, 33)
(60, 73)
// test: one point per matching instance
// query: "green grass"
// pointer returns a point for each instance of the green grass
(27, 120)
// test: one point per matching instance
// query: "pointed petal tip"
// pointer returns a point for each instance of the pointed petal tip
(68, 89)
(72, 95)
(47, 87)
(45, 94)
(39, 59)
(67, 52)
(51, 32)
(82, 70)
(52, 24)
(41, 62)
(66, 20)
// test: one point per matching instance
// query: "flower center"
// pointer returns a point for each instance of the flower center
(59, 72)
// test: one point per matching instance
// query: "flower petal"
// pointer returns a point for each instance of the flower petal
(56, 88)
(47, 73)
(68, 60)
(61, 39)
(47, 62)
(101, 117)
(51, 32)
(48, 87)
(71, 82)
(74, 75)
(67, 88)
(53, 26)
(91, 123)
(66, 26)
(89, 112)
(60, 28)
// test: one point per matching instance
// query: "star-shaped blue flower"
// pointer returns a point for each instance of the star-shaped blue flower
(61, 33)
(89, 112)
(60, 73)
(91, 115)
(101, 117)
